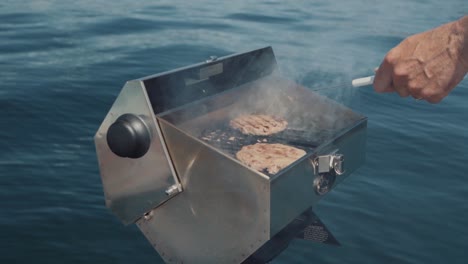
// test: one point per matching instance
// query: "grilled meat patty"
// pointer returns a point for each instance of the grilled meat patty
(260, 125)
(272, 157)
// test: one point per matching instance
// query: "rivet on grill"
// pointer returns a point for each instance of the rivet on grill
(147, 216)
(211, 59)
(173, 189)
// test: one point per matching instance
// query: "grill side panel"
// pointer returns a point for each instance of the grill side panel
(291, 194)
(222, 214)
(133, 186)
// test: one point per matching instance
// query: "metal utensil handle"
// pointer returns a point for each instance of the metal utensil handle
(359, 82)
(369, 80)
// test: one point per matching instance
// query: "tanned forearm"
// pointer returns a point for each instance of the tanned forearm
(462, 28)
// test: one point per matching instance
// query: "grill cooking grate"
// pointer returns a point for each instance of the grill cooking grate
(232, 140)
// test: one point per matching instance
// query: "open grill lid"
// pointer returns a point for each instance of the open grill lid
(173, 89)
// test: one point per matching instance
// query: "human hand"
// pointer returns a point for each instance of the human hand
(427, 65)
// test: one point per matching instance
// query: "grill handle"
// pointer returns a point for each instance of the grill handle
(369, 80)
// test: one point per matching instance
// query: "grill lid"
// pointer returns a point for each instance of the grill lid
(176, 88)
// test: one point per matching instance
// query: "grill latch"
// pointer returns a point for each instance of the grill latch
(329, 163)
(327, 167)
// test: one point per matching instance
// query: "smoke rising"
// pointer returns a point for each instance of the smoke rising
(305, 110)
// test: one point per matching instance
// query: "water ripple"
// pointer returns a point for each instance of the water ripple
(260, 18)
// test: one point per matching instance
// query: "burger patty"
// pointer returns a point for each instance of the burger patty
(260, 125)
(272, 157)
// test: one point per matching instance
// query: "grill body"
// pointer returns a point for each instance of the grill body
(191, 198)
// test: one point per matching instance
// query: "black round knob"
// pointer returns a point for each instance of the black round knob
(129, 137)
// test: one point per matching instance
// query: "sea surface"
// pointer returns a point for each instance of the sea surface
(63, 63)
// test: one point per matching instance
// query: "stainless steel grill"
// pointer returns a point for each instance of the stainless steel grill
(168, 163)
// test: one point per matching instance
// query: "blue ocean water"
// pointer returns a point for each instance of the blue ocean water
(62, 64)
